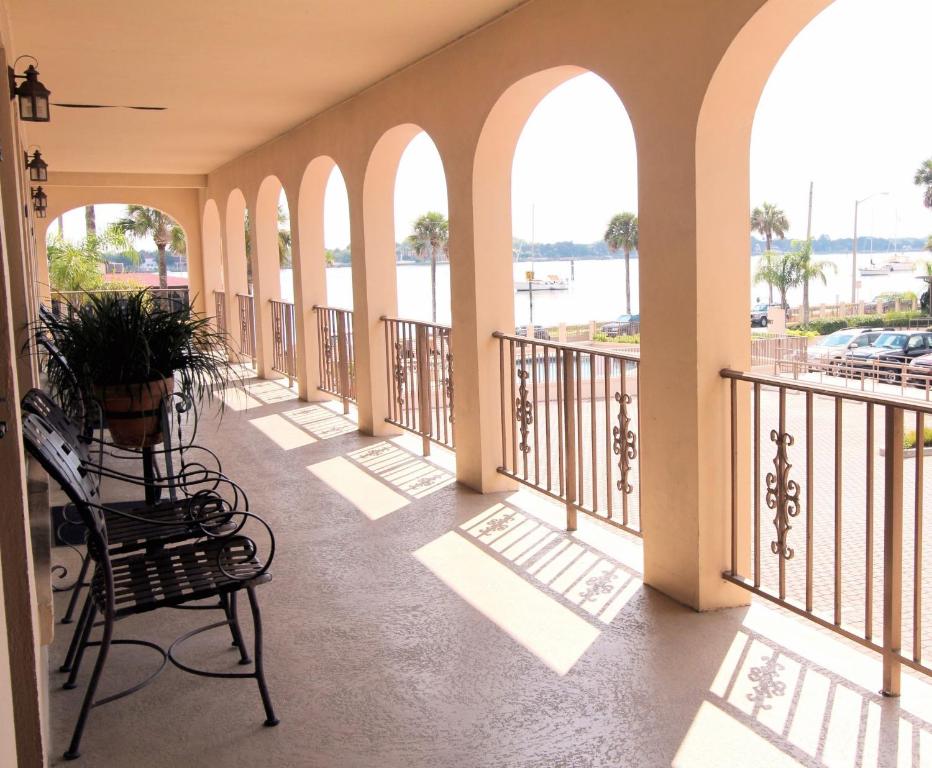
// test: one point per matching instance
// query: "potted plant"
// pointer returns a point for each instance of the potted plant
(128, 351)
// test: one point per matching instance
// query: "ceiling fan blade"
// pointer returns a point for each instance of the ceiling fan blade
(106, 106)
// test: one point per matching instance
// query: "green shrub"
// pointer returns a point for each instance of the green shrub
(825, 327)
(909, 438)
(632, 339)
(801, 332)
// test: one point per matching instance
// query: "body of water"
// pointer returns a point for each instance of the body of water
(597, 291)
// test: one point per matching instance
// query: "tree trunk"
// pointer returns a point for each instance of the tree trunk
(627, 283)
(805, 302)
(433, 283)
(769, 243)
(163, 267)
(90, 220)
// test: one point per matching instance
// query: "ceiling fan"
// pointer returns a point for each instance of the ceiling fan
(107, 106)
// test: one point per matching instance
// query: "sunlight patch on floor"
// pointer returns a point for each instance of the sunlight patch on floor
(552, 632)
(619, 545)
(717, 739)
(576, 572)
(408, 473)
(816, 694)
(439, 456)
(282, 432)
(371, 497)
(320, 421)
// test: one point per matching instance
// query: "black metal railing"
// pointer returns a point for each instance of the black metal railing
(67, 302)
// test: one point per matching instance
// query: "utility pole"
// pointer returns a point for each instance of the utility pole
(809, 222)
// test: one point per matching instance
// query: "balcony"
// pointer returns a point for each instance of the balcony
(411, 621)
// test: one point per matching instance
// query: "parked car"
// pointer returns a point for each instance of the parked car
(920, 371)
(539, 332)
(759, 315)
(832, 349)
(623, 325)
(886, 356)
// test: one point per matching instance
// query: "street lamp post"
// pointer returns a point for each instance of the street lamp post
(854, 247)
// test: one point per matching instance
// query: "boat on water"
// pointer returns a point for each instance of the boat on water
(549, 283)
(898, 263)
(874, 270)
(895, 263)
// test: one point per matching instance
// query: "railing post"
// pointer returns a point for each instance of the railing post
(423, 387)
(343, 355)
(288, 321)
(892, 550)
(569, 436)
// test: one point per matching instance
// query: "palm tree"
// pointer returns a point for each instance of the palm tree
(622, 234)
(780, 271)
(75, 266)
(90, 220)
(284, 239)
(430, 233)
(768, 220)
(151, 222)
(923, 177)
(809, 270)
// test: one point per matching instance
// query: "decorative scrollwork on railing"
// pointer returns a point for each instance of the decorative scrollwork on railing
(399, 374)
(448, 384)
(524, 414)
(624, 443)
(328, 344)
(782, 494)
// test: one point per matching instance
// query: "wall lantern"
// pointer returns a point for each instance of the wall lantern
(33, 96)
(40, 202)
(37, 167)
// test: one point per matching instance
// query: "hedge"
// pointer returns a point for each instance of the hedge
(909, 439)
(824, 327)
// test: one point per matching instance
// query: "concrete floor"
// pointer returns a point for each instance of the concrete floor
(412, 622)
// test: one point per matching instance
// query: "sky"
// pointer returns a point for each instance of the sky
(847, 107)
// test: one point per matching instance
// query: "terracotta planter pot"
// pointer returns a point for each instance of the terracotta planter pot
(132, 411)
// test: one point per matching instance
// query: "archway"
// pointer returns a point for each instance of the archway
(421, 233)
(102, 245)
(212, 249)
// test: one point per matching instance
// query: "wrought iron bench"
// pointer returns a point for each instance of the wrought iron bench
(218, 564)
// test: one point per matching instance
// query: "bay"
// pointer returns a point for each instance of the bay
(597, 290)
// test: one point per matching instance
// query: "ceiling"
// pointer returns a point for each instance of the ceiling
(232, 73)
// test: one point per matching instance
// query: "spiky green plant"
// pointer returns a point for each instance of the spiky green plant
(114, 340)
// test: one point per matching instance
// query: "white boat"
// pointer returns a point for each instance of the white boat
(875, 269)
(898, 263)
(550, 283)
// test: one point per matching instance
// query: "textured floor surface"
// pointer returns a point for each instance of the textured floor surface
(414, 623)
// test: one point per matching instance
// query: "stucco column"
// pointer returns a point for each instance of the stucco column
(372, 232)
(234, 268)
(694, 289)
(266, 278)
(482, 302)
(310, 277)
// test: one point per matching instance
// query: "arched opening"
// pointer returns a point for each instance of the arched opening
(422, 233)
(574, 212)
(337, 245)
(236, 273)
(105, 245)
(858, 102)
(212, 250)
